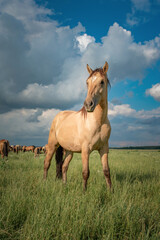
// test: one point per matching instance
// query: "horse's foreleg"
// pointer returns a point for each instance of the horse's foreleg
(68, 158)
(47, 160)
(85, 168)
(104, 159)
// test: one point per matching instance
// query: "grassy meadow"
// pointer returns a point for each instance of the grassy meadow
(32, 209)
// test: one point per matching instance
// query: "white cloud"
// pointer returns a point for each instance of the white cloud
(24, 10)
(126, 110)
(154, 91)
(134, 128)
(123, 109)
(31, 126)
(127, 59)
(21, 125)
(41, 64)
(142, 5)
(83, 41)
(133, 18)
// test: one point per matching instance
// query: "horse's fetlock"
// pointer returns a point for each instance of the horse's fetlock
(106, 173)
(85, 174)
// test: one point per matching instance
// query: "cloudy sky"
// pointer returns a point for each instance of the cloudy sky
(44, 49)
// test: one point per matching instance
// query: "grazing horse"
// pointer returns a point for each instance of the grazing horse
(30, 148)
(17, 149)
(83, 131)
(4, 147)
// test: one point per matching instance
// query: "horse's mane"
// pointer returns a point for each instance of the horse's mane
(83, 111)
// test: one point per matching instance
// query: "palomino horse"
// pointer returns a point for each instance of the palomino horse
(83, 131)
(4, 147)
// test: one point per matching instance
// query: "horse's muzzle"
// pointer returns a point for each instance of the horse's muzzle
(89, 106)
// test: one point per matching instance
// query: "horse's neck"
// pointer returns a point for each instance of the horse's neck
(101, 112)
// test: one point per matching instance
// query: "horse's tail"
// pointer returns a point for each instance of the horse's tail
(59, 162)
(5, 149)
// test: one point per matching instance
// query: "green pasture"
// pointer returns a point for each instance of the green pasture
(32, 209)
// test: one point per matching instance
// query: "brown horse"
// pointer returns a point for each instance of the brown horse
(24, 148)
(30, 148)
(36, 152)
(4, 147)
(83, 131)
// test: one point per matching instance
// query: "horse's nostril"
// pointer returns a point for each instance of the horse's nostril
(91, 104)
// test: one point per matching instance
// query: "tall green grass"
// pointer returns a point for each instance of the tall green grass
(33, 209)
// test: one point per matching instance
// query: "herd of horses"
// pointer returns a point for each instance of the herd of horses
(5, 148)
(80, 131)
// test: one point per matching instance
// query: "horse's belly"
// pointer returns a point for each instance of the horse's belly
(70, 145)
(69, 139)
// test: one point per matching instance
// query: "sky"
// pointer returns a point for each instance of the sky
(44, 49)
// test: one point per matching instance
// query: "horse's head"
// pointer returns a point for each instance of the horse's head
(97, 87)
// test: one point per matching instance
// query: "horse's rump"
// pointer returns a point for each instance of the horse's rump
(4, 147)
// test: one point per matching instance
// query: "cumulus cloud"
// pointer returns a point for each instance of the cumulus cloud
(43, 68)
(131, 127)
(31, 126)
(127, 59)
(43, 64)
(123, 110)
(154, 91)
(83, 41)
(27, 126)
(127, 111)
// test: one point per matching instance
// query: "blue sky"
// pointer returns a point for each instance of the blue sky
(44, 49)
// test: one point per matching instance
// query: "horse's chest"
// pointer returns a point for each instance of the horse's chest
(99, 137)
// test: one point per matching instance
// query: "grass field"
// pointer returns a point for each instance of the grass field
(33, 209)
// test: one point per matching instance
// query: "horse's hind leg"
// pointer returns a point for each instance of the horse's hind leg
(52, 146)
(47, 160)
(68, 158)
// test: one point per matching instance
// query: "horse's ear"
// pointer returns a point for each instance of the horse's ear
(89, 69)
(105, 67)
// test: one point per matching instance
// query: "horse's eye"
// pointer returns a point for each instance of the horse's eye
(102, 82)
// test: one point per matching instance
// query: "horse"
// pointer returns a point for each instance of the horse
(83, 131)
(24, 148)
(4, 147)
(45, 148)
(30, 148)
(36, 152)
(17, 149)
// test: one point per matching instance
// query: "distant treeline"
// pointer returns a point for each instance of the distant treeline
(137, 147)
